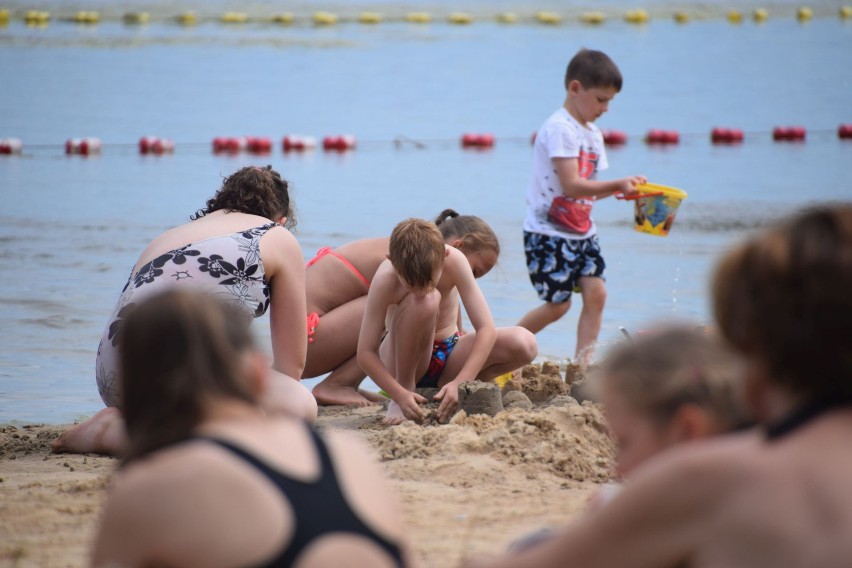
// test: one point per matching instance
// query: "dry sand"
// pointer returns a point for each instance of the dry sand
(468, 487)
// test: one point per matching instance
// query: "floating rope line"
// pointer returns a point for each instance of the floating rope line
(296, 144)
(40, 18)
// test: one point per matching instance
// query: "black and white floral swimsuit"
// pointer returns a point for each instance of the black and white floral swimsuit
(228, 266)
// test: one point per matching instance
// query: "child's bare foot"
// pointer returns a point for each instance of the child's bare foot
(394, 415)
(341, 395)
(103, 433)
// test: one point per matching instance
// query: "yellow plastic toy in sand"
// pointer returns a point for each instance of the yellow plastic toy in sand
(655, 208)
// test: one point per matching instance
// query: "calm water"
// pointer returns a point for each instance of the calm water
(72, 227)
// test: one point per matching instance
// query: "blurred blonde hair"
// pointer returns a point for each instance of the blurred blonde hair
(661, 370)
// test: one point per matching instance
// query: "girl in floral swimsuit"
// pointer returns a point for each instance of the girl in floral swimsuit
(236, 247)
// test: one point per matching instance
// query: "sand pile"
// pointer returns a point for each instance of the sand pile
(567, 438)
(468, 487)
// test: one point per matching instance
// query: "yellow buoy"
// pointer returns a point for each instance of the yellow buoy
(460, 18)
(507, 18)
(418, 17)
(681, 17)
(325, 19)
(4, 16)
(136, 18)
(804, 14)
(735, 16)
(187, 19)
(84, 17)
(846, 12)
(760, 15)
(638, 16)
(592, 17)
(370, 17)
(283, 18)
(36, 17)
(234, 18)
(551, 18)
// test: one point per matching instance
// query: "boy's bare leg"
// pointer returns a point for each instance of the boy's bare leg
(515, 347)
(589, 324)
(538, 318)
(408, 346)
(103, 433)
(341, 387)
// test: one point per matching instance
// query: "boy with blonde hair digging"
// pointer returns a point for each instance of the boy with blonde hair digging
(410, 325)
(560, 237)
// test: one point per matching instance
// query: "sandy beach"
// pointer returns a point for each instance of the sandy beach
(468, 487)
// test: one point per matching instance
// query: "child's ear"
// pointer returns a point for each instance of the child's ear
(574, 86)
(387, 255)
(457, 243)
(692, 422)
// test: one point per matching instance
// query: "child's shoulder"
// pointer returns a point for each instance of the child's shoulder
(561, 123)
(456, 263)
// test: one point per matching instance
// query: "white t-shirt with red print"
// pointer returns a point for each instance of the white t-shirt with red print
(561, 137)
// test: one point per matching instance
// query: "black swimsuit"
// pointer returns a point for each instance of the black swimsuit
(805, 414)
(319, 507)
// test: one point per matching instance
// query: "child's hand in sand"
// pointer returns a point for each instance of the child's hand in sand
(406, 408)
(449, 397)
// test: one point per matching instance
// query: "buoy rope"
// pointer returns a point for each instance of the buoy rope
(422, 143)
(456, 17)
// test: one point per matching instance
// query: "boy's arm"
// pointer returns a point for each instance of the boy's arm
(370, 337)
(574, 185)
(483, 324)
(379, 298)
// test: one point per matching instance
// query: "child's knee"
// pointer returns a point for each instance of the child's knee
(594, 296)
(523, 345)
(558, 309)
(423, 304)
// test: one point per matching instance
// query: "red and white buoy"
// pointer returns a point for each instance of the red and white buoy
(789, 133)
(470, 140)
(657, 136)
(298, 143)
(232, 145)
(844, 131)
(10, 146)
(155, 145)
(339, 143)
(726, 135)
(82, 146)
(259, 144)
(614, 137)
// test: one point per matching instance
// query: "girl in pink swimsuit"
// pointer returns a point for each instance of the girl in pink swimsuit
(337, 281)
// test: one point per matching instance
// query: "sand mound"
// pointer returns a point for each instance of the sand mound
(568, 439)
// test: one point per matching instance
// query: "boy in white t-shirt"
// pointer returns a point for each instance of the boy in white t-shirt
(560, 237)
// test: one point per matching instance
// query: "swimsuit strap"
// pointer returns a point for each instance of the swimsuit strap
(319, 506)
(328, 250)
(805, 414)
(320, 253)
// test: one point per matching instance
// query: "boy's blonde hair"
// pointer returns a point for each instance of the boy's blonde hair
(417, 252)
(661, 370)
